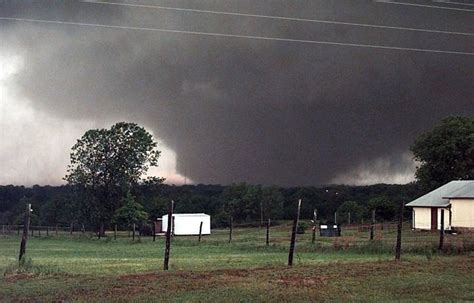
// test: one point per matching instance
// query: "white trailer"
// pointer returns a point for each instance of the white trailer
(188, 224)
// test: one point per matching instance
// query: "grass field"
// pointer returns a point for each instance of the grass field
(83, 268)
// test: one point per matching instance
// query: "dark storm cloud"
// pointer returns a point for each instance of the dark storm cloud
(246, 110)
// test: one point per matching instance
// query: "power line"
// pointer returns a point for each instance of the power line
(211, 34)
(279, 18)
(425, 5)
(453, 2)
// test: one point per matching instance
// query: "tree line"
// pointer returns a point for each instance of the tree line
(246, 203)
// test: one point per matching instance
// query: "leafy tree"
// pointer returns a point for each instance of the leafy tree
(446, 153)
(106, 163)
(130, 213)
(351, 207)
(272, 202)
(251, 203)
(384, 208)
(232, 201)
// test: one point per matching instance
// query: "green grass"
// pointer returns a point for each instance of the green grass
(83, 268)
(99, 257)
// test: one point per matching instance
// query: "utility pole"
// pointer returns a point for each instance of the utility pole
(26, 226)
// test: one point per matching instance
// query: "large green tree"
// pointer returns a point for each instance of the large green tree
(445, 153)
(350, 207)
(272, 202)
(107, 163)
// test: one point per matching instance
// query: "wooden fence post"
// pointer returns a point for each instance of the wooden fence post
(398, 248)
(230, 228)
(315, 219)
(268, 232)
(56, 229)
(39, 231)
(372, 225)
(335, 217)
(168, 236)
(115, 231)
(200, 231)
(47, 231)
(441, 232)
(172, 226)
(102, 230)
(26, 226)
(293, 235)
(71, 228)
(154, 231)
(133, 232)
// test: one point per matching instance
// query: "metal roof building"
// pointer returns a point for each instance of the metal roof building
(455, 198)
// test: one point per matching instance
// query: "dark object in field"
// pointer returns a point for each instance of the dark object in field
(302, 228)
(330, 230)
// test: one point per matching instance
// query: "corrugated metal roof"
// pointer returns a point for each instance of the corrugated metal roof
(465, 192)
(437, 197)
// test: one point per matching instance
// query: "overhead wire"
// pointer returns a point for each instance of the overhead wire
(365, 25)
(454, 2)
(424, 5)
(212, 34)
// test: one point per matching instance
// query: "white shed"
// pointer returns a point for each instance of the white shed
(456, 198)
(188, 224)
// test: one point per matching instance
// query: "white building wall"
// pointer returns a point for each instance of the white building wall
(188, 224)
(463, 213)
(446, 218)
(422, 218)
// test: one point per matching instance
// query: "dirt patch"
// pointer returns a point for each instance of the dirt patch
(13, 277)
(301, 281)
(156, 277)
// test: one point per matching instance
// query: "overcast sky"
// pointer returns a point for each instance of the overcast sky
(230, 109)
